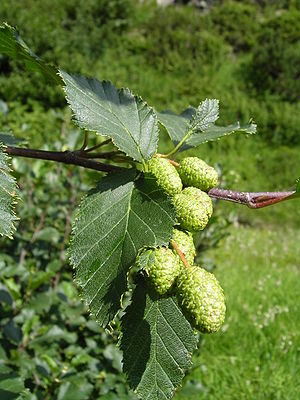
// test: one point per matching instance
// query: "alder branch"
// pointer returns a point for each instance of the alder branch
(66, 157)
(78, 157)
(250, 199)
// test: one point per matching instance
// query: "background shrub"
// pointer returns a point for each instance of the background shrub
(276, 56)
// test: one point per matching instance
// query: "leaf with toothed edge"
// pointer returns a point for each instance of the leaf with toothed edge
(185, 124)
(8, 194)
(13, 46)
(157, 342)
(98, 106)
(206, 114)
(215, 132)
(113, 222)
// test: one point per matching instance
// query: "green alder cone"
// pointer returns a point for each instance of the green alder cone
(161, 268)
(185, 242)
(195, 172)
(201, 299)
(166, 175)
(194, 209)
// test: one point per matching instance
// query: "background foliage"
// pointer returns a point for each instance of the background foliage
(245, 54)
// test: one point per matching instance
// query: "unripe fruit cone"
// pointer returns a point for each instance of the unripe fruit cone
(194, 209)
(201, 298)
(185, 242)
(195, 172)
(161, 268)
(166, 175)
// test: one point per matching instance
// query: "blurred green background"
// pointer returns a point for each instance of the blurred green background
(247, 55)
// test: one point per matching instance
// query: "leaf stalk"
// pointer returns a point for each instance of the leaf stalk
(179, 252)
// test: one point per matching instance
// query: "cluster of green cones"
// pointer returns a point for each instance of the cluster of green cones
(171, 270)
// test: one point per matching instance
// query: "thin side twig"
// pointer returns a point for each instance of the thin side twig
(98, 145)
(179, 252)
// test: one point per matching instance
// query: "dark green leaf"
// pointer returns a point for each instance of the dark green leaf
(215, 132)
(13, 332)
(191, 121)
(199, 128)
(114, 222)
(8, 193)
(5, 295)
(8, 139)
(13, 46)
(176, 125)
(100, 107)
(157, 343)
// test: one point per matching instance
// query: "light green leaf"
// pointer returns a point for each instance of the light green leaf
(100, 107)
(8, 193)
(10, 384)
(157, 343)
(13, 46)
(75, 389)
(207, 113)
(194, 127)
(118, 218)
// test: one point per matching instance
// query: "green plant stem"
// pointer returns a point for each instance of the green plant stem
(85, 141)
(176, 148)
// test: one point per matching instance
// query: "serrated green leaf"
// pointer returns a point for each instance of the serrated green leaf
(215, 132)
(8, 193)
(207, 113)
(13, 46)
(157, 343)
(118, 218)
(100, 107)
(186, 133)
